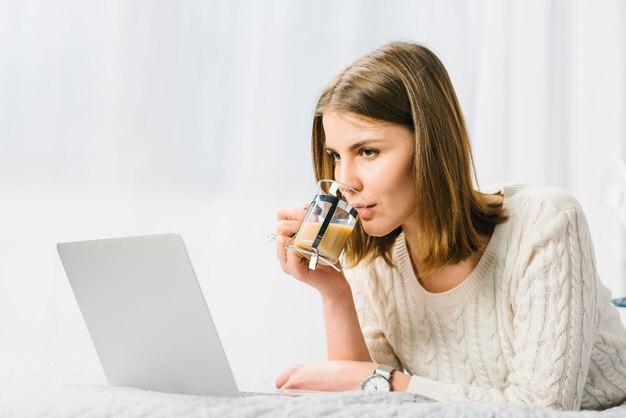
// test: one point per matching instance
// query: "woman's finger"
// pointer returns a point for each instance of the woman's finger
(281, 251)
(296, 214)
(294, 257)
(289, 259)
(281, 240)
(288, 227)
(282, 379)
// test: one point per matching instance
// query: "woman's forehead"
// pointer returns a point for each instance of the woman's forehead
(345, 130)
(342, 129)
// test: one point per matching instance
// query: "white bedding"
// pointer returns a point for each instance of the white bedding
(52, 387)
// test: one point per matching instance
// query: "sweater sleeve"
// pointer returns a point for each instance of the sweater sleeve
(377, 343)
(553, 300)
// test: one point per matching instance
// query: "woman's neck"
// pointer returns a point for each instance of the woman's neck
(447, 277)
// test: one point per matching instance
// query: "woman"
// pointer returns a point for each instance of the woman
(449, 292)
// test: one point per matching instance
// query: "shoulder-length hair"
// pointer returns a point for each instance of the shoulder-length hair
(406, 84)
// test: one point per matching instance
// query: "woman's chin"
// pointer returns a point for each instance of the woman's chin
(376, 230)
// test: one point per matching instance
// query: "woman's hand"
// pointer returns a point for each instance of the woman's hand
(332, 376)
(326, 280)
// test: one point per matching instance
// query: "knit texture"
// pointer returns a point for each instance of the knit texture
(532, 323)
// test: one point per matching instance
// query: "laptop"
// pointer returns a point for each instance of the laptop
(147, 316)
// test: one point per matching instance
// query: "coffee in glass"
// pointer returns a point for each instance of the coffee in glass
(327, 224)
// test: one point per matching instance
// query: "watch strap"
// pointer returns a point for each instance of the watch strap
(384, 371)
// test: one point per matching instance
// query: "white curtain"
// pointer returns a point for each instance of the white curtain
(549, 104)
(127, 117)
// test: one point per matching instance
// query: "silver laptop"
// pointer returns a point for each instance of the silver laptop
(147, 316)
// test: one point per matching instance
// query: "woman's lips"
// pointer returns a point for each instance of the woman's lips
(365, 211)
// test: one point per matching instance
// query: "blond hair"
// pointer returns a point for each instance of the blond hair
(406, 84)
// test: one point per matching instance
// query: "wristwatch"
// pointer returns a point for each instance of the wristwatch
(379, 380)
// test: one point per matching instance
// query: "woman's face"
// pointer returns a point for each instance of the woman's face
(376, 159)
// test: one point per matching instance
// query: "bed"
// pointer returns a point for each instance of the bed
(52, 386)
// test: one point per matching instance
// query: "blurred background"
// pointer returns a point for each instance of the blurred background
(131, 117)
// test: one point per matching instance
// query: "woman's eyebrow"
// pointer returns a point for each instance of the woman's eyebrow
(357, 145)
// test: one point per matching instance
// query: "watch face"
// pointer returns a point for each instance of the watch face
(376, 382)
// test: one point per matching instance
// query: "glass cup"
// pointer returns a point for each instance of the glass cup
(327, 224)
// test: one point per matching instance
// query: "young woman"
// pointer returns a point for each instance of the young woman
(448, 292)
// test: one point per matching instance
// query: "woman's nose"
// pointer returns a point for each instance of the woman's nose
(347, 174)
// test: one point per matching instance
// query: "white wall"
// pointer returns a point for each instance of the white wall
(120, 118)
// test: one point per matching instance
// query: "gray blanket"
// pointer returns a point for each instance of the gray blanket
(55, 388)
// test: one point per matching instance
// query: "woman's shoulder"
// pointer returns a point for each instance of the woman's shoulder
(540, 213)
(530, 200)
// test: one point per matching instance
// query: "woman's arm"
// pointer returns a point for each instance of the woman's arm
(350, 322)
(344, 339)
(335, 376)
(346, 347)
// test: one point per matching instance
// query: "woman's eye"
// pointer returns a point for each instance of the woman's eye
(368, 153)
(334, 156)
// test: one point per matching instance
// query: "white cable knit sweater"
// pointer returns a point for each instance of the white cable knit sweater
(531, 324)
